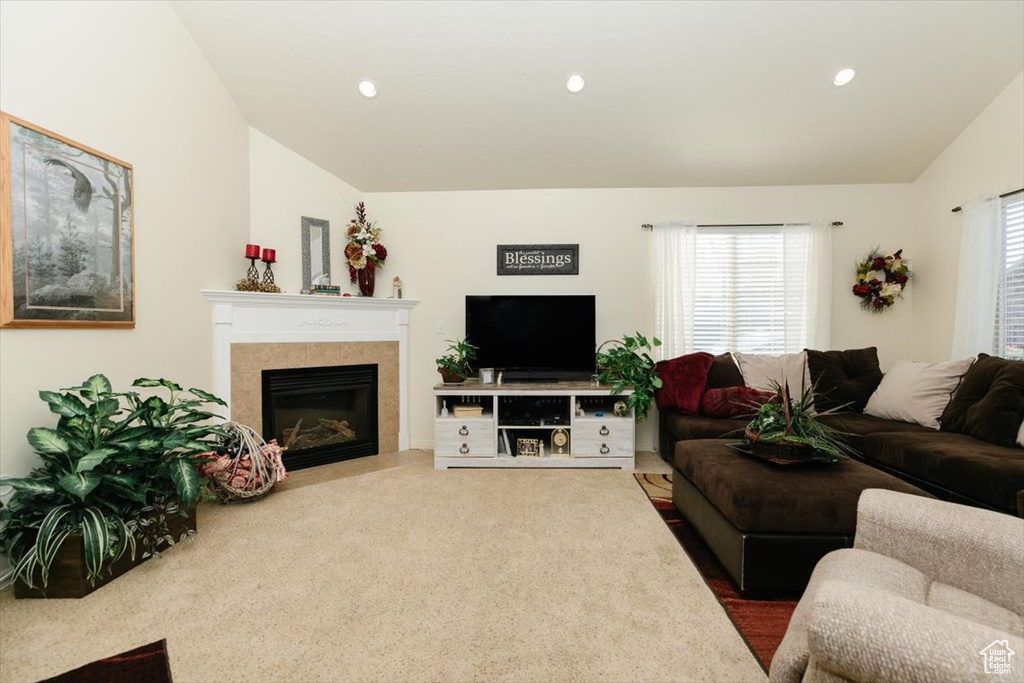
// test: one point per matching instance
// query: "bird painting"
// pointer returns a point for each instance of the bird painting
(82, 194)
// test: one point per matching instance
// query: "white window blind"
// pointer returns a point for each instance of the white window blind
(1009, 332)
(751, 289)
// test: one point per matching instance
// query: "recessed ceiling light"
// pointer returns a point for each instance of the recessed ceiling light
(575, 83)
(367, 88)
(844, 77)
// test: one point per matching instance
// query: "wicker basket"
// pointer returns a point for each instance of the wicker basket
(248, 474)
(781, 449)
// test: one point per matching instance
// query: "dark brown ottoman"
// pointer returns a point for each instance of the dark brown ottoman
(769, 525)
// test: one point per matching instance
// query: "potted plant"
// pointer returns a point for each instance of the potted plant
(454, 365)
(786, 428)
(118, 482)
(627, 364)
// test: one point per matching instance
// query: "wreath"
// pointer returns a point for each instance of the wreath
(881, 279)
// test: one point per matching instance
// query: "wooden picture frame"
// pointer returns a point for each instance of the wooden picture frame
(67, 240)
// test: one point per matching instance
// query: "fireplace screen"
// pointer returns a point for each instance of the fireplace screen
(321, 415)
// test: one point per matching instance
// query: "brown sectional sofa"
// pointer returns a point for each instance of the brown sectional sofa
(950, 465)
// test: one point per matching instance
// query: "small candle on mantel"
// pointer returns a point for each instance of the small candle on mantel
(270, 255)
(252, 251)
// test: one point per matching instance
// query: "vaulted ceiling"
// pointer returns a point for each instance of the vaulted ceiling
(472, 94)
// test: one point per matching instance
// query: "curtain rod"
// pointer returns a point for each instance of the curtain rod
(648, 226)
(958, 209)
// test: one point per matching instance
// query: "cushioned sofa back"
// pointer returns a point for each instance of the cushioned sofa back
(989, 403)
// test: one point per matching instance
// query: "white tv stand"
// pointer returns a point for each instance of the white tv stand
(532, 411)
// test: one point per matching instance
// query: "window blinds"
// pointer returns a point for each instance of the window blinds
(1009, 332)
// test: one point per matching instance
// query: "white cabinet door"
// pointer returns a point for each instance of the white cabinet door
(602, 437)
(471, 437)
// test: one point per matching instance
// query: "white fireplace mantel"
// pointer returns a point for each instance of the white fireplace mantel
(253, 318)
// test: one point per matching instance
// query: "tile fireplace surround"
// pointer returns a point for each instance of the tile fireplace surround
(255, 332)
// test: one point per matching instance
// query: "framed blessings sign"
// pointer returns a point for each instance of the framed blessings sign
(538, 259)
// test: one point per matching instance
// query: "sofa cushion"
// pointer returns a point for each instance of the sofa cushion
(979, 470)
(733, 401)
(989, 405)
(760, 370)
(682, 381)
(855, 426)
(917, 392)
(724, 373)
(844, 380)
(686, 427)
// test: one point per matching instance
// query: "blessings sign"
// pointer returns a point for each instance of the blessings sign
(538, 259)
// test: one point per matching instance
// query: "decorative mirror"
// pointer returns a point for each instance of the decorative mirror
(316, 252)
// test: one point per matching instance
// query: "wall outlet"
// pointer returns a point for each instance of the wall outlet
(439, 326)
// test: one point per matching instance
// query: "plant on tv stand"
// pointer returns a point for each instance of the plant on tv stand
(454, 364)
(627, 364)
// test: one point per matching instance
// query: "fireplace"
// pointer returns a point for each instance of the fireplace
(321, 414)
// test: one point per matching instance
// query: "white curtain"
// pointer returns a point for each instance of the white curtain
(808, 252)
(675, 257)
(977, 278)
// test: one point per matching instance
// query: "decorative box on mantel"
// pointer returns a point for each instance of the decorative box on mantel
(254, 332)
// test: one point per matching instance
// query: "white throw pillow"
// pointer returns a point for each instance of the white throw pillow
(1020, 435)
(760, 370)
(917, 392)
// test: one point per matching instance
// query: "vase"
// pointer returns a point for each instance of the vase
(365, 279)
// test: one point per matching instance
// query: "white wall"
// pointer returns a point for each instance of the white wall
(284, 187)
(986, 159)
(127, 79)
(442, 244)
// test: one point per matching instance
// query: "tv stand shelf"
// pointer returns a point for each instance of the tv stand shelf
(531, 411)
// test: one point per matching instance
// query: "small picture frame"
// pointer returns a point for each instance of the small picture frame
(528, 447)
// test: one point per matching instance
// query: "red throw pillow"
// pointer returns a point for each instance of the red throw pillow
(734, 401)
(682, 381)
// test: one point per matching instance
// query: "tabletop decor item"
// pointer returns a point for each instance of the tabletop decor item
(316, 253)
(364, 253)
(117, 480)
(252, 281)
(454, 365)
(247, 467)
(787, 428)
(881, 279)
(66, 232)
(628, 365)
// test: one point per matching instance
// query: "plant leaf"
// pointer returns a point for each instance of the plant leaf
(67, 405)
(79, 484)
(48, 441)
(29, 486)
(127, 486)
(186, 478)
(96, 385)
(96, 540)
(207, 396)
(146, 382)
(93, 458)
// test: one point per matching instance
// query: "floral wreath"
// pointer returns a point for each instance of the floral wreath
(881, 279)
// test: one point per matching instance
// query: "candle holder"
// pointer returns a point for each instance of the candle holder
(268, 274)
(253, 274)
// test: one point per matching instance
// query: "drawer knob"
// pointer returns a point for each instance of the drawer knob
(464, 449)
(603, 431)
(604, 449)
(463, 430)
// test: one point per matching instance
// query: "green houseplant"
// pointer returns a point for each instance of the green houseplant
(454, 365)
(787, 427)
(627, 364)
(114, 471)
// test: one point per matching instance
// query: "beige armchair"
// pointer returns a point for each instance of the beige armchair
(930, 591)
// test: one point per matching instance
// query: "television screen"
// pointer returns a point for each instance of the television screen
(533, 337)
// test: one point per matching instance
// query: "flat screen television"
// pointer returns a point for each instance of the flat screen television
(533, 337)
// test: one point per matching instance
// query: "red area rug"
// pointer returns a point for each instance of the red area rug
(761, 623)
(148, 663)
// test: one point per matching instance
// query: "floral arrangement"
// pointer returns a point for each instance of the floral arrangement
(248, 469)
(364, 249)
(881, 279)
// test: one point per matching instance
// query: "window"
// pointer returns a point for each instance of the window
(1009, 331)
(745, 298)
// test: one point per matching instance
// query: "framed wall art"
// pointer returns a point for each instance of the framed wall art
(66, 232)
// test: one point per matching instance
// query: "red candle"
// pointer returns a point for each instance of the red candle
(252, 251)
(270, 255)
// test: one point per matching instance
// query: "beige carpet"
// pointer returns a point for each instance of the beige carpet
(383, 569)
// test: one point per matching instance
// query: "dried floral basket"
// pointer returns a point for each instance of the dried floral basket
(250, 469)
(780, 449)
